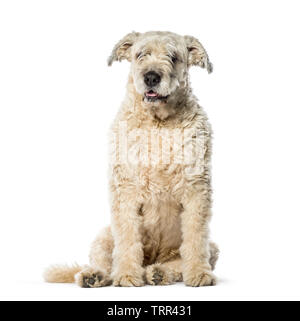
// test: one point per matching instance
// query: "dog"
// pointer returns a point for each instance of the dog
(159, 174)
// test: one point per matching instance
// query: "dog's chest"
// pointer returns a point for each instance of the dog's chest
(155, 159)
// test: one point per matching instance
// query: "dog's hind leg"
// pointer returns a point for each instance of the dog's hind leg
(214, 254)
(98, 273)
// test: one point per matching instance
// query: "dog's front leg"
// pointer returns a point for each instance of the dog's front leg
(128, 252)
(195, 244)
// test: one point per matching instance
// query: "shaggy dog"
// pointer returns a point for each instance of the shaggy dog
(159, 174)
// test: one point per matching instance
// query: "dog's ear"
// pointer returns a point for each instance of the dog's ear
(197, 55)
(122, 48)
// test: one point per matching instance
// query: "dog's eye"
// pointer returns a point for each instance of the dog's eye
(173, 58)
(139, 55)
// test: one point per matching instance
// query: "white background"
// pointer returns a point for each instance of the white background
(58, 98)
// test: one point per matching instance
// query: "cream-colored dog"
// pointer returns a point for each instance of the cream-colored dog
(160, 174)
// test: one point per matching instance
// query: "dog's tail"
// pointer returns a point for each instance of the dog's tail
(62, 273)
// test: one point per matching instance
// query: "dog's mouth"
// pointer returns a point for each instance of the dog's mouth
(154, 96)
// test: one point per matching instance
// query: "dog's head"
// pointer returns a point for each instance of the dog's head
(160, 62)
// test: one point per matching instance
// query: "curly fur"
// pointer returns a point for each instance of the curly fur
(160, 193)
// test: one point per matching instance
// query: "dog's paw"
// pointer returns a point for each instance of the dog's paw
(200, 278)
(158, 275)
(128, 280)
(90, 278)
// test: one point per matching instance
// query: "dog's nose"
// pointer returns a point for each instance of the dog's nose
(151, 78)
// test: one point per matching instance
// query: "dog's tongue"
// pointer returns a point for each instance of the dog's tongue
(152, 94)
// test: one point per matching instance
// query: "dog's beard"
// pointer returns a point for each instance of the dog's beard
(152, 96)
(159, 96)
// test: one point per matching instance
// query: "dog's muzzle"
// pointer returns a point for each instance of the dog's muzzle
(152, 96)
